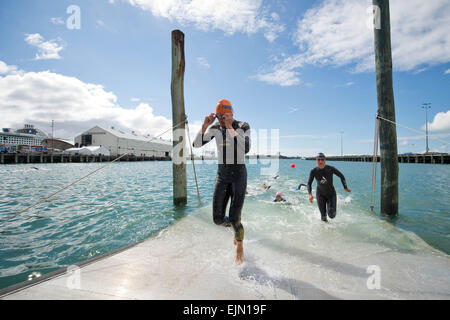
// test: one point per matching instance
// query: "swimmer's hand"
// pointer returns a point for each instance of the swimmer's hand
(208, 121)
(311, 198)
(228, 121)
(348, 190)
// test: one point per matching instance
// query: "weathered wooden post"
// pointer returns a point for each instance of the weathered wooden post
(178, 118)
(386, 108)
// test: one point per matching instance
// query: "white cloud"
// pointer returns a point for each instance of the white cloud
(447, 71)
(40, 97)
(203, 62)
(57, 20)
(135, 100)
(282, 76)
(100, 24)
(335, 33)
(46, 49)
(247, 16)
(441, 122)
(5, 69)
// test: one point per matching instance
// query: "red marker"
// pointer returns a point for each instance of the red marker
(292, 166)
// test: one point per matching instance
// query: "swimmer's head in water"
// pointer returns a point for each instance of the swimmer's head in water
(279, 197)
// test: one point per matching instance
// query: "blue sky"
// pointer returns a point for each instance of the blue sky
(303, 67)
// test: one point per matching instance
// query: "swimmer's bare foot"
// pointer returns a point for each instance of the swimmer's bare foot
(239, 252)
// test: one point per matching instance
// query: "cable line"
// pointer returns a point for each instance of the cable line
(192, 160)
(418, 131)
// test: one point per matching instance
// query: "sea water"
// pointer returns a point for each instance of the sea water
(128, 202)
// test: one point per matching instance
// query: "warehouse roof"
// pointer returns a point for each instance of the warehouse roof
(124, 135)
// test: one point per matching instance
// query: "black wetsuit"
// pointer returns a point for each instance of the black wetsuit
(231, 181)
(325, 192)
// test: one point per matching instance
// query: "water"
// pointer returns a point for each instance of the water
(128, 202)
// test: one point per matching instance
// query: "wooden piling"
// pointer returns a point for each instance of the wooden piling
(178, 118)
(386, 109)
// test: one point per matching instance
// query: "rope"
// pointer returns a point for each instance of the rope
(192, 160)
(375, 164)
(418, 131)
(82, 178)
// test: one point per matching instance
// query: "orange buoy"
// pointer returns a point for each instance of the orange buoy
(293, 166)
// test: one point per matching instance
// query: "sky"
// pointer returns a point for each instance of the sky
(301, 69)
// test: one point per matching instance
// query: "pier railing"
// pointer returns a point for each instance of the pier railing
(7, 158)
(415, 158)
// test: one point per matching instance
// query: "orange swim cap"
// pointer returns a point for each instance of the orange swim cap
(224, 106)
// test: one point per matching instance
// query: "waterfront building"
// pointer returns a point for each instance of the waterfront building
(97, 151)
(119, 142)
(27, 137)
(56, 144)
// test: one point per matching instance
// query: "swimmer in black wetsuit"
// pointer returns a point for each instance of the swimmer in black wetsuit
(325, 192)
(266, 187)
(233, 142)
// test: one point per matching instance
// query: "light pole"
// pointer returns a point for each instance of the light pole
(426, 106)
(53, 125)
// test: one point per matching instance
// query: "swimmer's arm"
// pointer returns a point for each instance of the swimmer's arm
(340, 175)
(310, 181)
(203, 137)
(301, 185)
